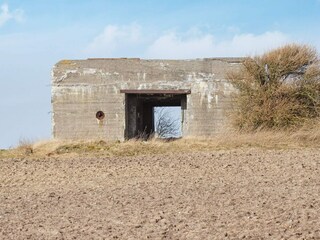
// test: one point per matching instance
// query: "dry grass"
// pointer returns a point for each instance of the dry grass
(306, 136)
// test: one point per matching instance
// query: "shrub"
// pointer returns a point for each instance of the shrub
(280, 89)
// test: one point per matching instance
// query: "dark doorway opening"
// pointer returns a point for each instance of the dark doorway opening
(140, 107)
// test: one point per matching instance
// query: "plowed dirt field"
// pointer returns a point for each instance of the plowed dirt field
(226, 194)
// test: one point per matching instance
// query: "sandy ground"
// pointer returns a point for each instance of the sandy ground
(229, 194)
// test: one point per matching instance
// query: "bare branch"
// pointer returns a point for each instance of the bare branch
(166, 126)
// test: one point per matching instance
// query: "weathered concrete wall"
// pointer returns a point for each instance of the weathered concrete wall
(80, 88)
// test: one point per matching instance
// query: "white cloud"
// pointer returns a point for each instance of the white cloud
(130, 40)
(6, 14)
(204, 45)
(115, 39)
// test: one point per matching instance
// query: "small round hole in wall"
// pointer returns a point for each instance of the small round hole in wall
(100, 115)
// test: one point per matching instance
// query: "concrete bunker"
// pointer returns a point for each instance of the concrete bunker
(140, 105)
(114, 99)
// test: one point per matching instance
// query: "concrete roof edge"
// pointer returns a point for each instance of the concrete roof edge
(187, 59)
(224, 59)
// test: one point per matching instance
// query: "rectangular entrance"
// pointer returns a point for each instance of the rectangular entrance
(140, 106)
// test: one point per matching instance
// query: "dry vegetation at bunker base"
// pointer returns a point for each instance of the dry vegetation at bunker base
(307, 136)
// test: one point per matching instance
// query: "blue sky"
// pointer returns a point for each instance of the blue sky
(35, 34)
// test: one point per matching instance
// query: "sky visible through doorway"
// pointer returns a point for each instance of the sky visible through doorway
(172, 115)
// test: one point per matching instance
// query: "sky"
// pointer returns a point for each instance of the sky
(35, 34)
